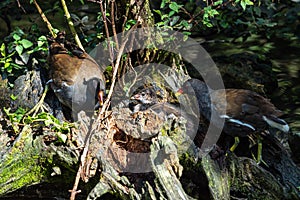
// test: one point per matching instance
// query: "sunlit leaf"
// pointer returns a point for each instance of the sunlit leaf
(13, 97)
(16, 37)
(2, 50)
(171, 13)
(245, 3)
(19, 49)
(26, 43)
(219, 2)
(174, 6)
(163, 4)
(158, 12)
(8, 67)
(62, 137)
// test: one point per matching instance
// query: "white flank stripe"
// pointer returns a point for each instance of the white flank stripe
(241, 123)
(224, 116)
(237, 121)
(285, 128)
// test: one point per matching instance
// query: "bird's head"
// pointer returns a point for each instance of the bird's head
(145, 96)
(192, 87)
(56, 45)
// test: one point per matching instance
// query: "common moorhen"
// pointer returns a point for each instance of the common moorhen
(244, 111)
(153, 98)
(240, 108)
(76, 78)
(145, 98)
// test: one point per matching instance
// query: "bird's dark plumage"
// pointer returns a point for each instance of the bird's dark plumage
(244, 111)
(146, 98)
(76, 78)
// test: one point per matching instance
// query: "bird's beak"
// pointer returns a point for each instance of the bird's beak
(135, 97)
(179, 92)
(101, 97)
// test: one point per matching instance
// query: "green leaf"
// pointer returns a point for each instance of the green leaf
(245, 3)
(257, 11)
(108, 68)
(163, 3)
(174, 6)
(2, 50)
(19, 49)
(165, 16)
(62, 137)
(42, 40)
(185, 24)
(19, 31)
(15, 66)
(158, 12)
(8, 67)
(40, 43)
(186, 35)
(219, 2)
(213, 12)
(174, 20)
(129, 24)
(26, 43)
(13, 97)
(16, 37)
(171, 13)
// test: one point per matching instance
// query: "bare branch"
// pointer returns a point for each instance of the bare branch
(113, 23)
(43, 16)
(71, 25)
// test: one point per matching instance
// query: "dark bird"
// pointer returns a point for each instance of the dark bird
(240, 108)
(76, 78)
(245, 112)
(154, 98)
(145, 98)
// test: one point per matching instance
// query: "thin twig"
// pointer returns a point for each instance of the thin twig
(20, 6)
(43, 16)
(106, 103)
(93, 126)
(39, 105)
(71, 25)
(113, 23)
(74, 191)
(118, 60)
(103, 12)
(107, 33)
(135, 77)
(125, 19)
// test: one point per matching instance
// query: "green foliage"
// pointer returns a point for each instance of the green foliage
(43, 119)
(16, 51)
(15, 116)
(170, 17)
(245, 3)
(238, 18)
(129, 24)
(209, 13)
(41, 45)
(6, 60)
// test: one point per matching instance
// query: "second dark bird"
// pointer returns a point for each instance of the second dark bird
(242, 109)
(245, 112)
